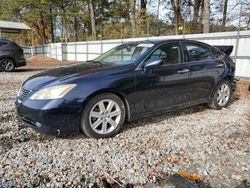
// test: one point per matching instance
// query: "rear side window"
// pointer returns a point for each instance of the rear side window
(197, 52)
(2, 43)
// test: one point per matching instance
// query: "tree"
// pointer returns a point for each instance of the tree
(224, 15)
(75, 20)
(142, 17)
(178, 19)
(92, 18)
(143, 9)
(132, 17)
(206, 16)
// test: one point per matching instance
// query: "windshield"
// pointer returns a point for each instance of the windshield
(124, 54)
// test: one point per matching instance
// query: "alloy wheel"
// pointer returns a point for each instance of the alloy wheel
(105, 116)
(223, 94)
(7, 65)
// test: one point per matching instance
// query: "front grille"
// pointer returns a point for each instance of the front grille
(23, 94)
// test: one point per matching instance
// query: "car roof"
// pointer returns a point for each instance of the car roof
(161, 41)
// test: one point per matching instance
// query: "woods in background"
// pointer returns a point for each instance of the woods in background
(78, 20)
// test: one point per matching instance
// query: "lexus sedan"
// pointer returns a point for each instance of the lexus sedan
(11, 56)
(130, 81)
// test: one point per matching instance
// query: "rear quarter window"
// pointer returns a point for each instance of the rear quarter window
(216, 53)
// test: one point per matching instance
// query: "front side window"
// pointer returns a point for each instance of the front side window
(124, 54)
(170, 53)
(197, 52)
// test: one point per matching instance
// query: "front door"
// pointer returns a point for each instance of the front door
(163, 87)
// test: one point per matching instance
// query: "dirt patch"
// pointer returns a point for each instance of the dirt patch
(41, 61)
(243, 87)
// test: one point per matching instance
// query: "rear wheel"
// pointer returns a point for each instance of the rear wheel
(7, 65)
(103, 116)
(222, 95)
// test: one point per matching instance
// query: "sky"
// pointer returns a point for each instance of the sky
(233, 9)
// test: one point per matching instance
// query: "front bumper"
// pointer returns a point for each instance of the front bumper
(55, 117)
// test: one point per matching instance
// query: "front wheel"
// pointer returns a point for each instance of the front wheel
(222, 95)
(103, 116)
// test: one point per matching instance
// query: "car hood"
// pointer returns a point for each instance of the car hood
(64, 74)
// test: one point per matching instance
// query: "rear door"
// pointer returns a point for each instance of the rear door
(205, 70)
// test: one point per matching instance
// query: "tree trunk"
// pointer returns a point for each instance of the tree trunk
(143, 9)
(76, 29)
(206, 16)
(224, 15)
(197, 5)
(62, 29)
(66, 28)
(132, 17)
(42, 28)
(39, 32)
(197, 16)
(143, 4)
(177, 14)
(52, 25)
(158, 12)
(199, 28)
(92, 18)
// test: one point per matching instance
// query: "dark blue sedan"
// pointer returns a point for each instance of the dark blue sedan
(130, 81)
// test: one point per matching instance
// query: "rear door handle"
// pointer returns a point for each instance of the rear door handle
(182, 71)
(220, 65)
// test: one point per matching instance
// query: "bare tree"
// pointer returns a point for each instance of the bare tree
(143, 7)
(197, 5)
(177, 14)
(206, 16)
(51, 24)
(92, 18)
(224, 15)
(75, 29)
(132, 17)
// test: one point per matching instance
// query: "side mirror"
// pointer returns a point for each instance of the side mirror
(153, 62)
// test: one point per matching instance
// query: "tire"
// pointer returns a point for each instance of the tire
(103, 117)
(7, 65)
(221, 95)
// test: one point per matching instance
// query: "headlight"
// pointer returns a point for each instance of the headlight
(54, 92)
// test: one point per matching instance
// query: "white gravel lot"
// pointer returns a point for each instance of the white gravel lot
(209, 143)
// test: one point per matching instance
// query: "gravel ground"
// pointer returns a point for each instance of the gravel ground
(209, 143)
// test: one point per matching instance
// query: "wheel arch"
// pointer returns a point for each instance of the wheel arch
(119, 94)
(226, 78)
(9, 57)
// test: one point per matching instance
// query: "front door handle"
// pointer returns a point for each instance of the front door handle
(183, 71)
